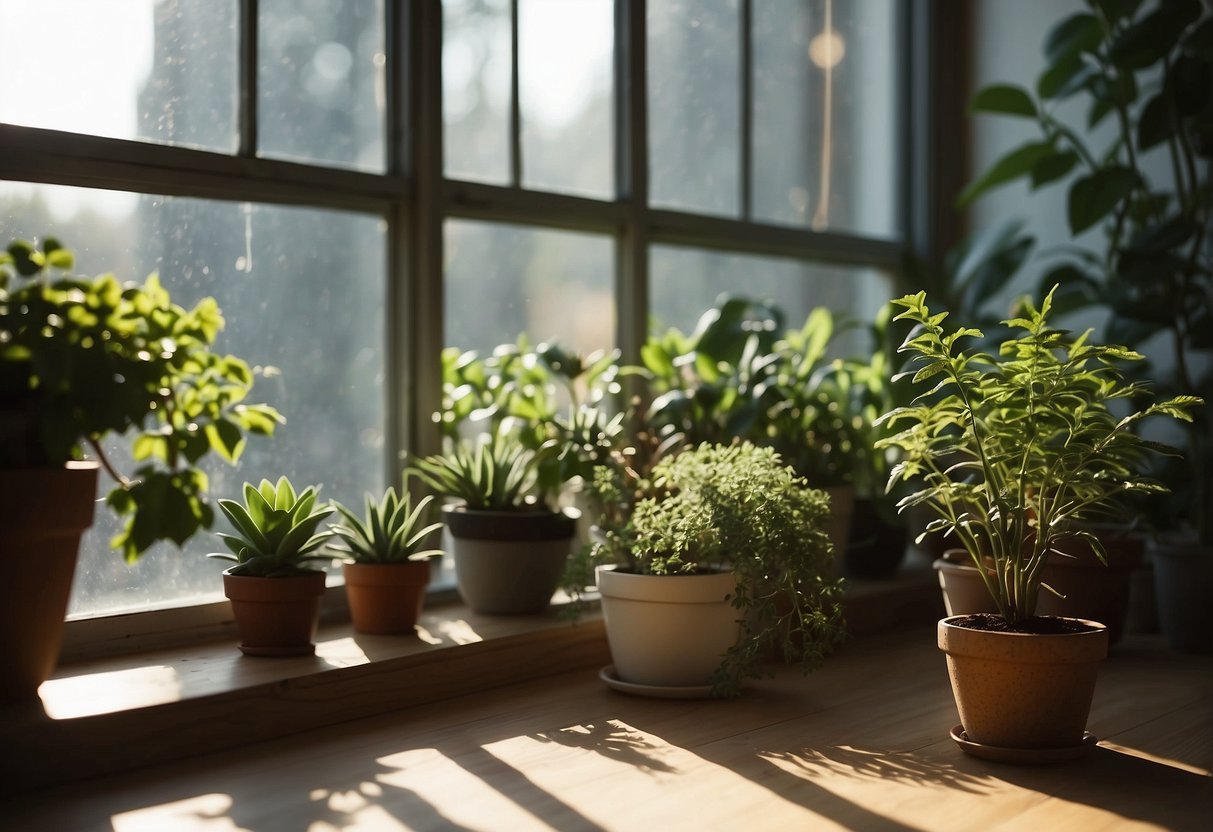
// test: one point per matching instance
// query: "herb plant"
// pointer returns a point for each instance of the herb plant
(83, 359)
(739, 507)
(1009, 450)
(276, 531)
(390, 532)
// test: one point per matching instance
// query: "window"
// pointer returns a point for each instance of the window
(358, 192)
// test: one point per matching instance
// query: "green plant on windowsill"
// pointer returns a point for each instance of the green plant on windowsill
(735, 509)
(390, 531)
(277, 531)
(1028, 439)
(499, 473)
(85, 359)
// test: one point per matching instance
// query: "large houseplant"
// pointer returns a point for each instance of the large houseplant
(274, 591)
(707, 561)
(508, 543)
(1140, 183)
(83, 360)
(386, 569)
(1008, 451)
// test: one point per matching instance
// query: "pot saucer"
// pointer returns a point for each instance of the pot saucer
(1023, 756)
(612, 680)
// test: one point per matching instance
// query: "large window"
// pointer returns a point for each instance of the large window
(363, 182)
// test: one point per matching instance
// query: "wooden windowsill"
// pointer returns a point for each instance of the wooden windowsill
(119, 712)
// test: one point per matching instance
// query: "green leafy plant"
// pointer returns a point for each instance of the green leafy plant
(735, 507)
(1010, 450)
(277, 531)
(1143, 72)
(391, 530)
(83, 359)
(496, 474)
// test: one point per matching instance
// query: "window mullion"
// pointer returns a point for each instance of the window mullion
(248, 77)
(515, 101)
(632, 153)
(746, 47)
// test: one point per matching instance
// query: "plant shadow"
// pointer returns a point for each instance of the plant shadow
(613, 740)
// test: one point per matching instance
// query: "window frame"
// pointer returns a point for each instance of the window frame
(414, 197)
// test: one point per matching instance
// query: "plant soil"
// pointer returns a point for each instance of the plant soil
(1041, 625)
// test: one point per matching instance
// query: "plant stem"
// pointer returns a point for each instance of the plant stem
(115, 474)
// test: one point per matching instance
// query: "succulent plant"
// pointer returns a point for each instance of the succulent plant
(276, 530)
(389, 531)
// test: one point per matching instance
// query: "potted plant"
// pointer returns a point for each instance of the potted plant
(1141, 72)
(707, 562)
(386, 571)
(1008, 451)
(275, 595)
(509, 546)
(84, 360)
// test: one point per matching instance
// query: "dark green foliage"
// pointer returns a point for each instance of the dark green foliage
(84, 358)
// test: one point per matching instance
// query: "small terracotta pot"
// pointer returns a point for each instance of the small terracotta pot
(46, 510)
(1092, 589)
(386, 598)
(964, 592)
(1016, 690)
(668, 630)
(276, 616)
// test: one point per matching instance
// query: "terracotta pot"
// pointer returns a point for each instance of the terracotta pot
(386, 598)
(1015, 690)
(1183, 577)
(964, 592)
(276, 616)
(1091, 589)
(45, 513)
(509, 562)
(668, 630)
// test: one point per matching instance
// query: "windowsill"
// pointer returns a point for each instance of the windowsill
(115, 713)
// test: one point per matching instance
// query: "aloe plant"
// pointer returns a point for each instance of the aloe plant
(276, 530)
(498, 474)
(388, 533)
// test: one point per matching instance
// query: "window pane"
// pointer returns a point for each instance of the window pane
(564, 67)
(825, 115)
(321, 75)
(272, 271)
(476, 89)
(686, 282)
(503, 280)
(140, 69)
(694, 93)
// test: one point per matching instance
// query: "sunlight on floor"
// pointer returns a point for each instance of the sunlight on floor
(204, 812)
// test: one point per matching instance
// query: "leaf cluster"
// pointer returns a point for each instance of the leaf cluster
(743, 375)
(498, 473)
(739, 507)
(276, 531)
(390, 531)
(1009, 450)
(82, 359)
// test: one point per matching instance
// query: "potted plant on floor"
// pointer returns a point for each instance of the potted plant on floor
(84, 360)
(1137, 190)
(509, 545)
(1030, 446)
(386, 570)
(275, 595)
(707, 563)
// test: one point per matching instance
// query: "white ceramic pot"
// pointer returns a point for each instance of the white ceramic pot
(668, 630)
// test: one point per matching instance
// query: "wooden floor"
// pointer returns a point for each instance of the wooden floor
(860, 745)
